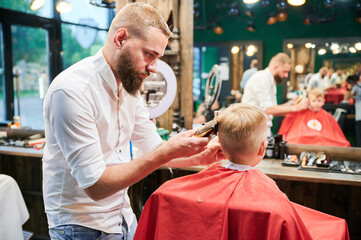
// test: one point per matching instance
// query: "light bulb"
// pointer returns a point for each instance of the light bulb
(63, 6)
(36, 4)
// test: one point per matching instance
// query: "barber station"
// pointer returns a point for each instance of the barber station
(166, 119)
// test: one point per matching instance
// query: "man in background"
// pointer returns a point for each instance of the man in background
(320, 80)
(261, 91)
(249, 72)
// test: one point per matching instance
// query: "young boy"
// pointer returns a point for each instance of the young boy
(313, 126)
(230, 200)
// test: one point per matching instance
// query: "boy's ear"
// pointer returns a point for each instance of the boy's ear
(262, 148)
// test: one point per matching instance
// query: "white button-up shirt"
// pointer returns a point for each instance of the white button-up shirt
(88, 125)
(261, 92)
(317, 81)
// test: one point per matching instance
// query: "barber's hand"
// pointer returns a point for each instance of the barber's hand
(212, 153)
(302, 105)
(184, 144)
(209, 154)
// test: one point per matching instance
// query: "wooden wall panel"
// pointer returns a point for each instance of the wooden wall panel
(186, 66)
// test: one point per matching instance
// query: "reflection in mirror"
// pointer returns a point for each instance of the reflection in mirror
(330, 62)
(159, 90)
(154, 90)
(309, 55)
(233, 58)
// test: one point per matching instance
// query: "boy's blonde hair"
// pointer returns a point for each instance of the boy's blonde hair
(317, 92)
(137, 18)
(241, 129)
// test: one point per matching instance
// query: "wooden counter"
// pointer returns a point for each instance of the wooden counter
(274, 169)
(20, 151)
(337, 194)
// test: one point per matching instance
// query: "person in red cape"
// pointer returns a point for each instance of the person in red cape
(230, 199)
(313, 126)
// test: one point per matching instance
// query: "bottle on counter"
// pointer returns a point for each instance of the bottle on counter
(283, 152)
(270, 147)
(276, 147)
(16, 122)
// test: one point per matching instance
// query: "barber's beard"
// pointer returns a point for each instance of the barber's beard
(278, 79)
(128, 75)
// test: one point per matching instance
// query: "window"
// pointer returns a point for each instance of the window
(24, 6)
(84, 30)
(31, 74)
(35, 46)
(80, 42)
(84, 13)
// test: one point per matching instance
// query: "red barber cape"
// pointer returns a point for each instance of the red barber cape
(313, 128)
(221, 203)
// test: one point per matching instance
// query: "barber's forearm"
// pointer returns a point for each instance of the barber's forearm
(210, 154)
(279, 110)
(120, 176)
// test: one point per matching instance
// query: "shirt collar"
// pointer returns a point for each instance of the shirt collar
(270, 76)
(239, 167)
(106, 73)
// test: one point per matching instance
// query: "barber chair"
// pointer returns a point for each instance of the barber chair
(340, 116)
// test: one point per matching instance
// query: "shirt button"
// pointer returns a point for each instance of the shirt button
(120, 151)
(119, 224)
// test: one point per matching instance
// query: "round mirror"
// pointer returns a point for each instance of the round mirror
(159, 90)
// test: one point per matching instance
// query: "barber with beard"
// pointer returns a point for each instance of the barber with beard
(260, 90)
(91, 111)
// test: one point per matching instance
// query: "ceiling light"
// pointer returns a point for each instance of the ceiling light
(251, 27)
(63, 6)
(336, 51)
(271, 19)
(313, 46)
(282, 16)
(321, 51)
(289, 45)
(307, 20)
(281, 5)
(296, 2)
(218, 29)
(329, 3)
(334, 46)
(235, 50)
(249, 53)
(358, 46)
(250, 1)
(248, 12)
(234, 11)
(299, 68)
(196, 12)
(265, 3)
(358, 19)
(36, 4)
(308, 45)
(352, 50)
(251, 48)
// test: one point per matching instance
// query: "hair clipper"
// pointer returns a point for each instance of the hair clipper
(208, 128)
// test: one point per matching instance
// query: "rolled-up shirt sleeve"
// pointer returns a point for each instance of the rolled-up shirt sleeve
(74, 128)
